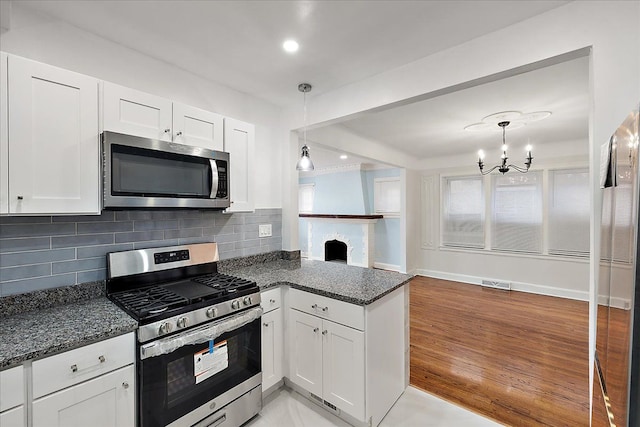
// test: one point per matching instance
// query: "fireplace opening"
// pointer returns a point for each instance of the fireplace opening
(335, 250)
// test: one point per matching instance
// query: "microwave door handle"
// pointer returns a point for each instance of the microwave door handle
(214, 178)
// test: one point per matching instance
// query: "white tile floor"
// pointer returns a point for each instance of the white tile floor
(414, 409)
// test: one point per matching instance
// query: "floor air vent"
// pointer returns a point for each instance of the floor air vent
(318, 398)
(505, 286)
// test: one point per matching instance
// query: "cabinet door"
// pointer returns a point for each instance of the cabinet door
(239, 143)
(13, 417)
(196, 127)
(305, 351)
(271, 348)
(343, 368)
(136, 113)
(53, 140)
(105, 401)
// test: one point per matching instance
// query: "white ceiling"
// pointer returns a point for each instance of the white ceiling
(238, 43)
(435, 127)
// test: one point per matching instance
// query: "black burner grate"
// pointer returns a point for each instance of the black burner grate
(223, 282)
(149, 301)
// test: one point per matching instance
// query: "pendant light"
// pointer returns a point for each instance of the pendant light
(305, 164)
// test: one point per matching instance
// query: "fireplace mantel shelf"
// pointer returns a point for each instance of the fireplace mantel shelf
(340, 216)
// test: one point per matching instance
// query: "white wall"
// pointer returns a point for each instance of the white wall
(53, 42)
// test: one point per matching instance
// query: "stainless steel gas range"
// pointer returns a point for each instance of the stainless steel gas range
(198, 341)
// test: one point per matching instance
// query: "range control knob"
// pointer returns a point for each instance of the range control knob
(246, 300)
(211, 312)
(165, 328)
(235, 305)
(182, 322)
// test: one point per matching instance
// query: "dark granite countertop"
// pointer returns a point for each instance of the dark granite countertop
(44, 332)
(356, 285)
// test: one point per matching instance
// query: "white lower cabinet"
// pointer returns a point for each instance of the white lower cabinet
(348, 358)
(105, 401)
(272, 338)
(327, 359)
(13, 417)
(12, 397)
(92, 385)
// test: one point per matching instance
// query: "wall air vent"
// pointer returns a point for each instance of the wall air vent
(505, 286)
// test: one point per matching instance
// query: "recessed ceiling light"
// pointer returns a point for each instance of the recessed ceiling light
(343, 156)
(290, 46)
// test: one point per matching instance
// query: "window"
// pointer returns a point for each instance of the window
(463, 213)
(569, 212)
(517, 212)
(623, 216)
(305, 198)
(386, 196)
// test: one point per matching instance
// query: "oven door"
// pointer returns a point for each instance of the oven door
(175, 382)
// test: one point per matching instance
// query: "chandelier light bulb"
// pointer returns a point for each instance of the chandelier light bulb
(481, 154)
(504, 147)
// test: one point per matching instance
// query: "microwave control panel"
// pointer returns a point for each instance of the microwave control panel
(223, 180)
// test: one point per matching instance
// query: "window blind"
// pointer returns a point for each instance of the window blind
(569, 212)
(386, 195)
(517, 212)
(463, 215)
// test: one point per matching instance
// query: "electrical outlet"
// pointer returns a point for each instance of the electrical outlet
(264, 230)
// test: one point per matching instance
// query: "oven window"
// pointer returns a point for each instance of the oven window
(141, 172)
(174, 384)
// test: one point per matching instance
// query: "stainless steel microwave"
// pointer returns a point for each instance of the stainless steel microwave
(147, 173)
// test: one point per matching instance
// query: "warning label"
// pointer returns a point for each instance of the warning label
(210, 361)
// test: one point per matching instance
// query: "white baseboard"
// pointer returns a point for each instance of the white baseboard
(385, 266)
(304, 254)
(515, 286)
(617, 302)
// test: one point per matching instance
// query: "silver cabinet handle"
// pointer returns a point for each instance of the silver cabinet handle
(325, 308)
(125, 385)
(272, 301)
(74, 368)
(101, 359)
(20, 198)
(167, 130)
(179, 133)
(316, 330)
(314, 306)
(266, 325)
(324, 332)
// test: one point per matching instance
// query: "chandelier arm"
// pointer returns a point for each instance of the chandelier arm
(519, 169)
(490, 170)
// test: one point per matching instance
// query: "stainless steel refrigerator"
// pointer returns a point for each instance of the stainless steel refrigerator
(616, 393)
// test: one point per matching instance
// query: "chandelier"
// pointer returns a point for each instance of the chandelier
(503, 167)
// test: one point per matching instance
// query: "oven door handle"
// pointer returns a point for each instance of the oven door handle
(205, 423)
(199, 335)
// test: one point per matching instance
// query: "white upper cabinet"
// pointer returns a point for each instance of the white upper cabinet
(137, 113)
(196, 127)
(133, 112)
(239, 143)
(52, 140)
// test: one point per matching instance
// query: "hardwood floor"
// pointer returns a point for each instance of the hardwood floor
(520, 359)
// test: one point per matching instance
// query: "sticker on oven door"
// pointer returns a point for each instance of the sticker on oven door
(210, 361)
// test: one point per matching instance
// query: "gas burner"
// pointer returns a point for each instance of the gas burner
(223, 282)
(149, 301)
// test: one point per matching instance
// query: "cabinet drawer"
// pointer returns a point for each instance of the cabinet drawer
(74, 366)
(11, 388)
(338, 311)
(271, 299)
